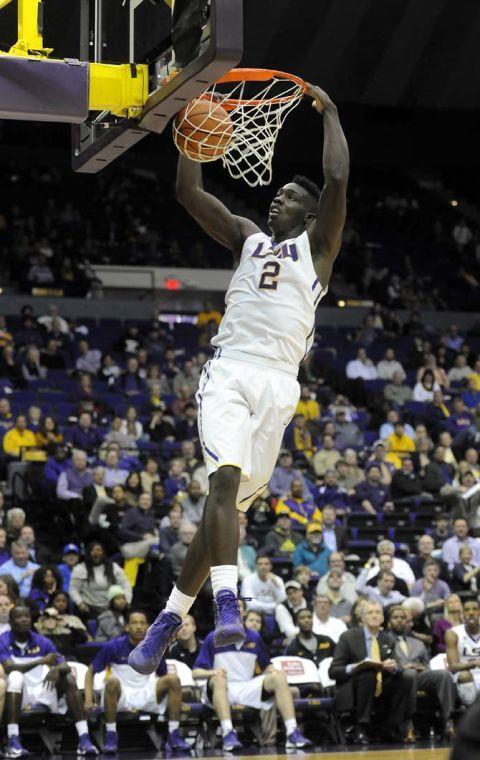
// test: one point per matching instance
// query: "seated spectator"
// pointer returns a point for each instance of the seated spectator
(263, 588)
(396, 391)
(52, 315)
(331, 493)
(299, 504)
(281, 540)
(45, 687)
(160, 428)
(335, 536)
(465, 575)
(324, 624)
(111, 623)
(160, 503)
(170, 533)
(208, 314)
(109, 371)
(347, 432)
(15, 520)
(312, 551)
(418, 623)
(371, 495)
(285, 612)
(190, 458)
(6, 605)
(186, 646)
(188, 376)
(452, 616)
(303, 575)
(412, 655)
(460, 538)
(4, 551)
(362, 367)
(389, 365)
(399, 445)
(55, 465)
(430, 365)
(71, 485)
(193, 503)
(385, 562)
(442, 530)
(6, 416)
(431, 589)
(187, 426)
(177, 479)
(125, 441)
(130, 381)
(9, 587)
(406, 485)
(246, 557)
(115, 474)
(83, 435)
(46, 581)
(20, 567)
(383, 592)
(425, 388)
(388, 427)
(89, 359)
(340, 606)
(352, 474)
(131, 426)
(71, 557)
(459, 422)
(138, 531)
(10, 369)
(400, 567)
(326, 457)
(37, 552)
(462, 652)
(34, 418)
(53, 355)
(178, 551)
(307, 644)
(127, 690)
(475, 376)
(95, 492)
(426, 547)
(133, 489)
(32, 368)
(347, 588)
(65, 631)
(460, 371)
(48, 435)
(367, 674)
(184, 398)
(283, 474)
(91, 580)
(300, 437)
(19, 438)
(307, 405)
(149, 475)
(232, 680)
(378, 457)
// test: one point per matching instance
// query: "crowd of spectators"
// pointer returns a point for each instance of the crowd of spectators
(371, 512)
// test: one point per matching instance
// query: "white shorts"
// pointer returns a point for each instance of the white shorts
(135, 698)
(35, 693)
(247, 693)
(243, 410)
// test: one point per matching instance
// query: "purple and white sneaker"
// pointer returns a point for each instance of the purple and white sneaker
(15, 748)
(111, 743)
(85, 746)
(228, 621)
(231, 742)
(146, 656)
(175, 741)
(296, 740)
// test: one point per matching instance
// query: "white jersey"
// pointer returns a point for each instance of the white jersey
(468, 647)
(271, 302)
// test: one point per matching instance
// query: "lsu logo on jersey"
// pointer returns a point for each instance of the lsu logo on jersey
(286, 251)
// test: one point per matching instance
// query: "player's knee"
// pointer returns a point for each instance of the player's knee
(15, 682)
(218, 681)
(112, 686)
(225, 482)
(3, 687)
(69, 681)
(279, 678)
(465, 677)
(174, 682)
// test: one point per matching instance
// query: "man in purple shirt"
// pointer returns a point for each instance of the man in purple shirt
(25, 655)
(83, 435)
(127, 690)
(371, 494)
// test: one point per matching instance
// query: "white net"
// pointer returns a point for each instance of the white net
(257, 110)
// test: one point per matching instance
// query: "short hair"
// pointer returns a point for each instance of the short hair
(384, 573)
(431, 563)
(307, 184)
(393, 608)
(299, 612)
(128, 614)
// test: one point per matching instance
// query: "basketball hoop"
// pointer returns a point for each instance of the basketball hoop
(257, 102)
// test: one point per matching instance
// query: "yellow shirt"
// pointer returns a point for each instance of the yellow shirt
(310, 409)
(302, 441)
(299, 510)
(476, 377)
(204, 317)
(398, 447)
(14, 440)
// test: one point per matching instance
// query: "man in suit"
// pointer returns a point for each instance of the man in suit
(411, 654)
(369, 678)
(334, 536)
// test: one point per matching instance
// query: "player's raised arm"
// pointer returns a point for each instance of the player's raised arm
(211, 214)
(326, 231)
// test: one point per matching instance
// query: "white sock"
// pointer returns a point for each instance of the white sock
(179, 603)
(226, 726)
(12, 729)
(111, 727)
(173, 725)
(290, 726)
(224, 576)
(82, 727)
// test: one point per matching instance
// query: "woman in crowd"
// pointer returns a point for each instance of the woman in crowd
(425, 387)
(49, 435)
(452, 616)
(465, 576)
(111, 623)
(131, 425)
(32, 368)
(46, 582)
(10, 368)
(91, 580)
(64, 630)
(9, 587)
(149, 475)
(133, 489)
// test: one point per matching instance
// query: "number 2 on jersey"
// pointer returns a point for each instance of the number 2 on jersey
(269, 278)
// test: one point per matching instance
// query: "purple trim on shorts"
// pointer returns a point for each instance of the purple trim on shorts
(253, 494)
(315, 283)
(214, 456)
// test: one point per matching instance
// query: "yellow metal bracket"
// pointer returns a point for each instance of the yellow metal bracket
(121, 89)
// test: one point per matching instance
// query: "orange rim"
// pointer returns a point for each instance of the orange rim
(258, 75)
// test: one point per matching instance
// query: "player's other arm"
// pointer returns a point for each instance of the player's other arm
(454, 663)
(211, 214)
(326, 232)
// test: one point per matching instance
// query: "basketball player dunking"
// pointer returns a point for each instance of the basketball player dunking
(248, 392)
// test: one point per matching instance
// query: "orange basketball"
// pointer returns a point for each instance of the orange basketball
(202, 130)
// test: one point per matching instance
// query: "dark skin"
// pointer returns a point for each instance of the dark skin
(58, 677)
(471, 613)
(293, 210)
